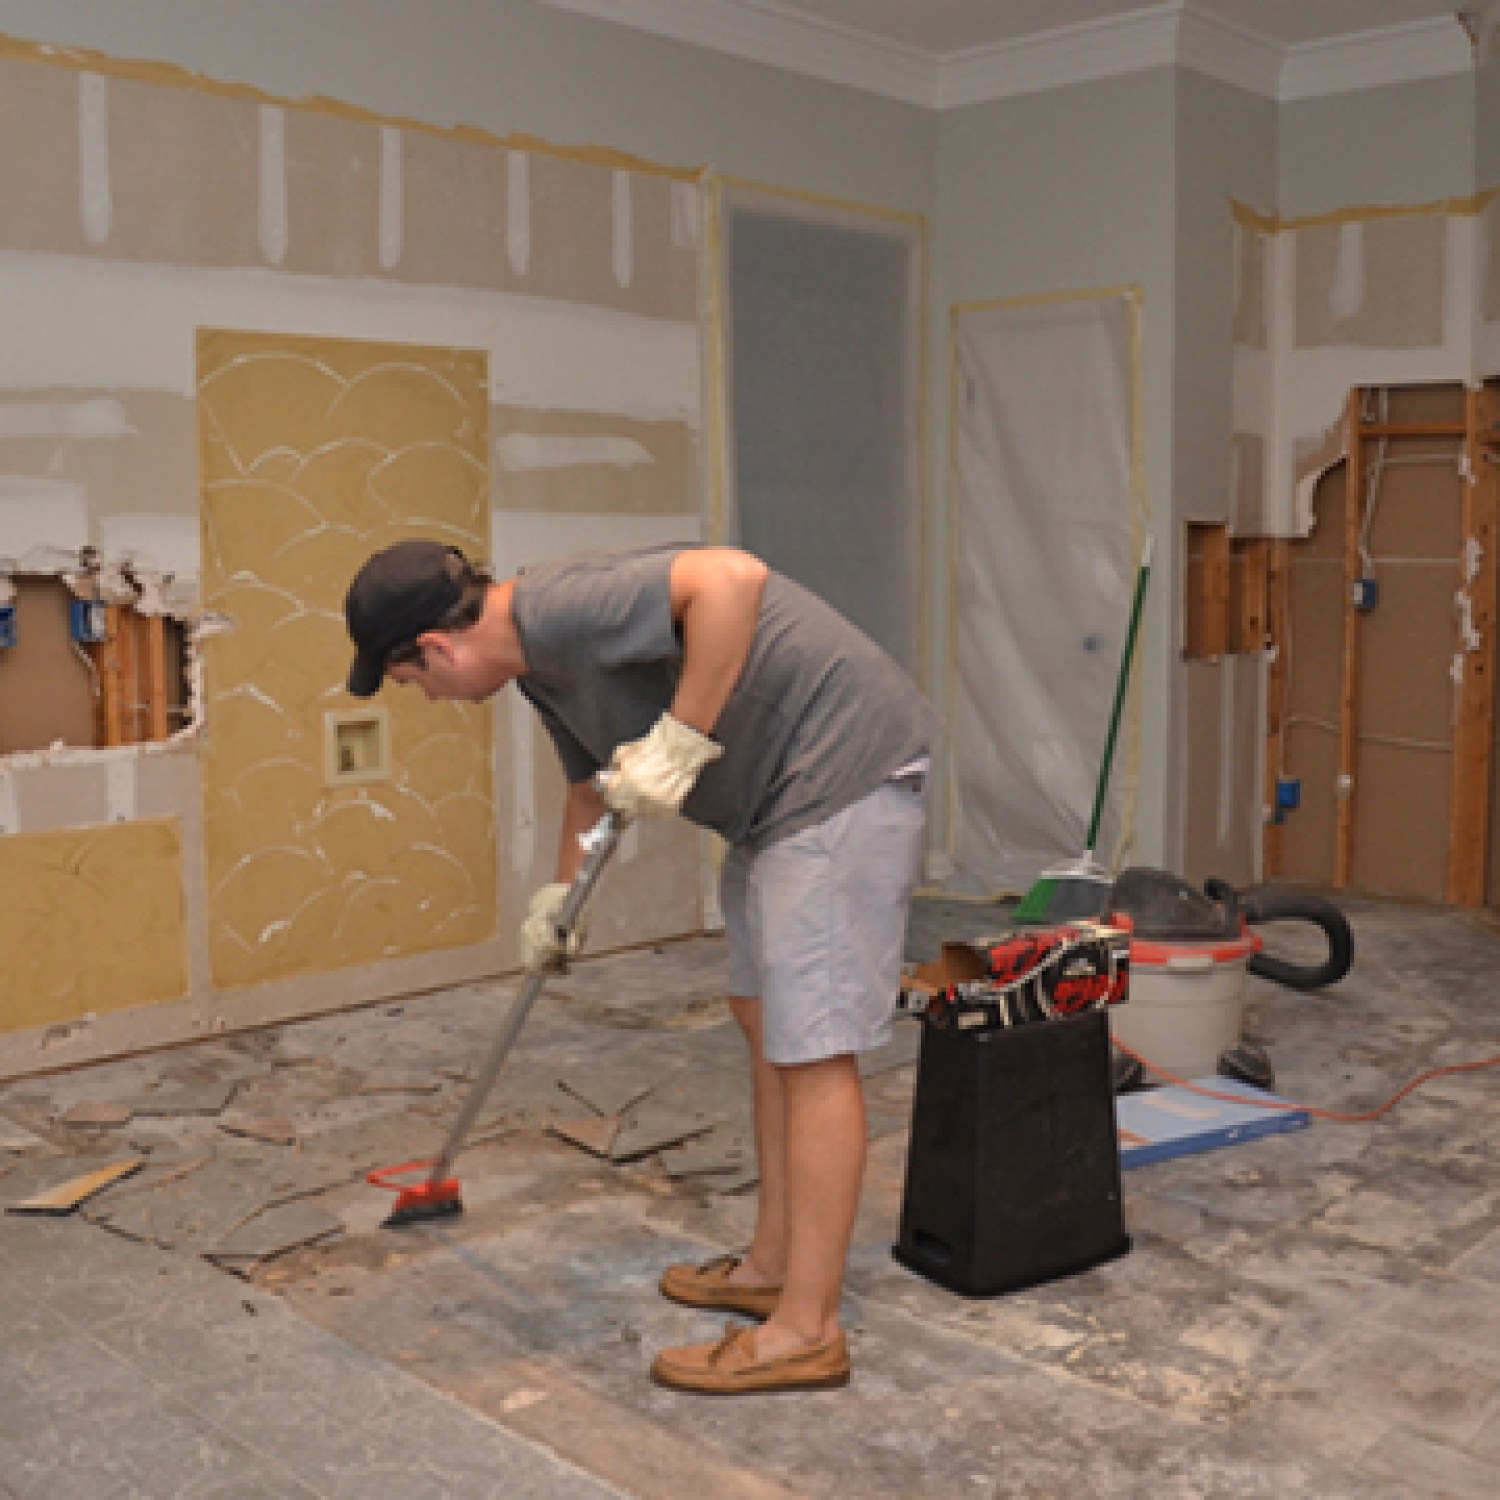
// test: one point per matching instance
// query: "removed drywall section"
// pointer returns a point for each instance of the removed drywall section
(1372, 692)
(47, 683)
(122, 886)
(1366, 297)
(315, 452)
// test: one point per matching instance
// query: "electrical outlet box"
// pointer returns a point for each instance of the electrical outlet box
(88, 621)
(356, 747)
(1366, 594)
(7, 626)
(1288, 793)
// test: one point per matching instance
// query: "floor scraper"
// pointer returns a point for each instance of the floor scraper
(437, 1196)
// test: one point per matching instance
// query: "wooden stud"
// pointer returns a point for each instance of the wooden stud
(107, 662)
(1474, 724)
(1415, 429)
(130, 694)
(1251, 561)
(1354, 510)
(1278, 601)
(156, 678)
(1213, 618)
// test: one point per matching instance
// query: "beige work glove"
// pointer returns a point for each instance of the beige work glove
(541, 953)
(655, 774)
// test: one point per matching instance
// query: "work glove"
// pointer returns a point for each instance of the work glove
(655, 774)
(541, 952)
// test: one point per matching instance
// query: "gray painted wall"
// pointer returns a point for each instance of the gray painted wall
(1406, 143)
(1487, 125)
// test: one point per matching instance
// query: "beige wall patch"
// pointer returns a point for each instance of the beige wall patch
(91, 920)
(316, 452)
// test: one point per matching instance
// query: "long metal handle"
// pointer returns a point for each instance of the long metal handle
(599, 843)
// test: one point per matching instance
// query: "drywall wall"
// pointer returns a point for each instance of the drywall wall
(1064, 191)
(509, 65)
(1225, 150)
(140, 207)
(1404, 143)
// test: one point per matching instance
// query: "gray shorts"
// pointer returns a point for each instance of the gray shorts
(817, 922)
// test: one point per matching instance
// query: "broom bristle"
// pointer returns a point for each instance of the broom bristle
(428, 1200)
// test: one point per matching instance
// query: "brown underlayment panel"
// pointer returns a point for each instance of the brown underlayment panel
(1401, 827)
(91, 920)
(589, 463)
(1312, 654)
(1405, 691)
(315, 452)
(1395, 294)
(46, 688)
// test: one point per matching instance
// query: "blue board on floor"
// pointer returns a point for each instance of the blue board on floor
(1160, 1123)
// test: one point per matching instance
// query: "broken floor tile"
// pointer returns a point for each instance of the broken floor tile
(594, 1133)
(206, 1096)
(65, 1196)
(152, 1175)
(274, 1230)
(15, 1137)
(278, 1130)
(718, 1150)
(97, 1113)
(652, 1127)
(608, 1090)
(400, 1081)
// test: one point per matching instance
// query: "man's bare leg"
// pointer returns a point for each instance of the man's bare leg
(765, 1262)
(824, 1148)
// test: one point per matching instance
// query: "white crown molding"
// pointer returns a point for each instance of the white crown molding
(765, 32)
(1437, 48)
(1157, 35)
(1145, 38)
(1231, 54)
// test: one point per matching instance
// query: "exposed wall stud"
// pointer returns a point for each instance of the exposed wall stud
(1474, 724)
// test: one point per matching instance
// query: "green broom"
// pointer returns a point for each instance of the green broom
(1080, 888)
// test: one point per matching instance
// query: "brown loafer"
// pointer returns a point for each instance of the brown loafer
(730, 1367)
(709, 1286)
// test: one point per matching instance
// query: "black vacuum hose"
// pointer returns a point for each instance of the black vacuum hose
(1269, 903)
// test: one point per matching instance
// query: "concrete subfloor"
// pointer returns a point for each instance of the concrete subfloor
(1315, 1314)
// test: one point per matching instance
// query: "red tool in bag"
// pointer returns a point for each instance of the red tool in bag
(1022, 978)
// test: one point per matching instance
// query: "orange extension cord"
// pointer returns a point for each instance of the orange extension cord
(1312, 1109)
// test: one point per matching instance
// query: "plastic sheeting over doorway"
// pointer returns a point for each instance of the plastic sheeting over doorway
(1047, 495)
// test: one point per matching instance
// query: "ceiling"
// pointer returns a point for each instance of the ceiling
(948, 53)
(944, 27)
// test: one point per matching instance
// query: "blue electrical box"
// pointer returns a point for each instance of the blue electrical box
(1366, 594)
(88, 621)
(1288, 793)
(7, 626)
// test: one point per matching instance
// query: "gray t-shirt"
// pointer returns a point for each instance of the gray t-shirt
(819, 718)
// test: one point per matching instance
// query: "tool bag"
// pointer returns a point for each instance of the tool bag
(1022, 978)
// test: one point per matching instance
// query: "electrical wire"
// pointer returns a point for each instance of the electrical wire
(1342, 1117)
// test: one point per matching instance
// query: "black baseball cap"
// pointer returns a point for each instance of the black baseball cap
(400, 592)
